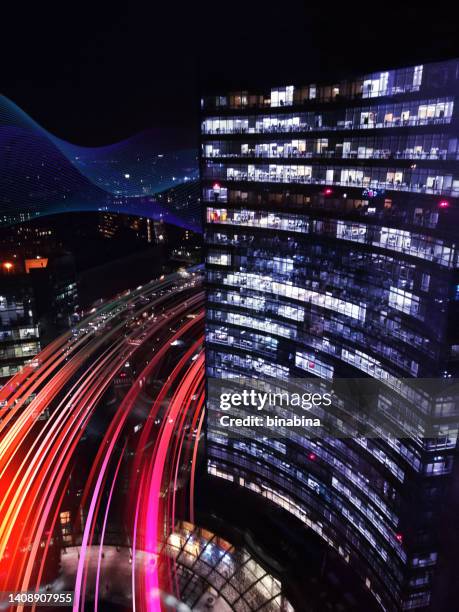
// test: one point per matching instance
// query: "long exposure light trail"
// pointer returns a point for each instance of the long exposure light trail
(48, 407)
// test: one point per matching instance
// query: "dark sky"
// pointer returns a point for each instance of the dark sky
(97, 74)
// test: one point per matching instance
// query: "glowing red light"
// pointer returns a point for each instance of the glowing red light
(312, 456)
(443, 204)
(216, 186)
(328, 191)
(399, 537)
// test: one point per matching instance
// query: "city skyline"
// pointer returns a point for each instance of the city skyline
(229, 293)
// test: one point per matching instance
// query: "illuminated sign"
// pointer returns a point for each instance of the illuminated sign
(38, 262)
(373, 193)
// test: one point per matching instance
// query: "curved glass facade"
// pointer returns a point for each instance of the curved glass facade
(212, 573)
(332, 253)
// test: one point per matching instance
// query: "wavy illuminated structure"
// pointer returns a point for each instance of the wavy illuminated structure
(147, 345)
(152, 174)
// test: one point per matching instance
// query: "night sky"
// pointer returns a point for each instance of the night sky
(96, 75)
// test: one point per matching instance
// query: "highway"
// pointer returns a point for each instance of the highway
(145, 349)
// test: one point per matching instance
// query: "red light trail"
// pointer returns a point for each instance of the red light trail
(154, 336)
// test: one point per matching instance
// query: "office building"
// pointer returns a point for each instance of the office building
(332, 252)
(38, 300)
(19, 330)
